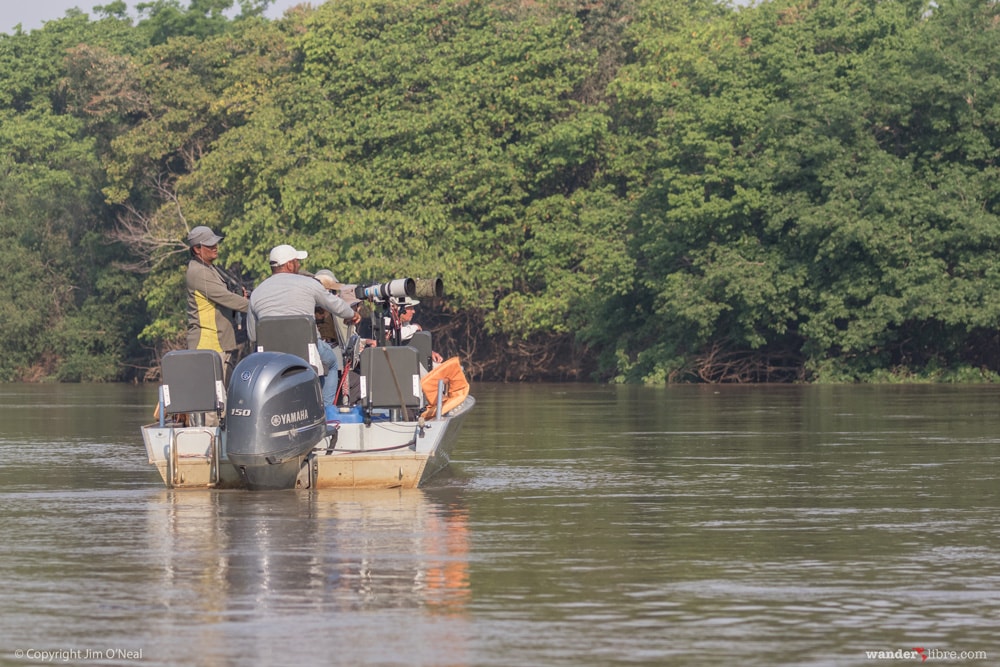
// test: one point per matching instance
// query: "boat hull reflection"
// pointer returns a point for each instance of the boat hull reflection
(326, 550)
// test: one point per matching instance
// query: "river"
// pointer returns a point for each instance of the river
(579, 525)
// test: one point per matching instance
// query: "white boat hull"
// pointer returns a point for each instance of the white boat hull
(388, 454)
(378, 455)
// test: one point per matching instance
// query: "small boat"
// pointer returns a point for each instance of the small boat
(270, 430)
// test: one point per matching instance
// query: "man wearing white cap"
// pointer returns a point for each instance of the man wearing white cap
(287, 292)
(407, 327)
(212, 308)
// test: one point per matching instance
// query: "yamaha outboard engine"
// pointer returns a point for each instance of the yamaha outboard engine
(274, 418)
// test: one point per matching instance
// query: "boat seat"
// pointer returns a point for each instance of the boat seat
(192, 381)
(390, 377)
(293, 334)
(421, 340)
(192, 385)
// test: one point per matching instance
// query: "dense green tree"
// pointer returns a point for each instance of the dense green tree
(163, 20)
(52, 220)
(893, 245)
(784, 234)
(427, 140)
(679, 191)
(167, 109)
(688, 110)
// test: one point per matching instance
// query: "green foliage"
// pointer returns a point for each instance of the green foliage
(42, 199)
(800, 216)
(94, 344)
(55, 254)
(201, 19)
(22, 313)
(652, 190)
(427, 140)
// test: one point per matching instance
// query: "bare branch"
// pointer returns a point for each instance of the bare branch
(155, 238)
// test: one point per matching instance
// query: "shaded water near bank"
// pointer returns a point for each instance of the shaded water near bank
(579, 525)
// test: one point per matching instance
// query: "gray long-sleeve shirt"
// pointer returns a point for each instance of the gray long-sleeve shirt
(292, 294)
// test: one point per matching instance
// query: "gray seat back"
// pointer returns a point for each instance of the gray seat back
(192, 381)
(293, 334)
(390, 377)
(422, 341)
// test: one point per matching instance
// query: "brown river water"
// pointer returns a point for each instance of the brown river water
(579, 525)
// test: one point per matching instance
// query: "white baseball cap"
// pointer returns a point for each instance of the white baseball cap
(283, 254)
(409, 302)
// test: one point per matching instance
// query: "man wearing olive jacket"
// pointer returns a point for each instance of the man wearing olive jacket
(211, 307)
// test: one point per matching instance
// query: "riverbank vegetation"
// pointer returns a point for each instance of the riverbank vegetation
(624, 190)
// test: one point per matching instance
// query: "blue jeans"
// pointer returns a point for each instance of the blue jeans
(331, 361)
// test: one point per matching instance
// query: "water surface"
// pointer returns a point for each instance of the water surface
(580, 525)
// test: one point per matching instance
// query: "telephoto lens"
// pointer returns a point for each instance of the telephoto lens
(394, 289)
(429, 288)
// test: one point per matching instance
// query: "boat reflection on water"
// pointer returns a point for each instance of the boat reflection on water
(232, 554)
(403, 550)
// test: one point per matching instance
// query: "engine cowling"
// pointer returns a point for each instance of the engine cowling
(274, 418)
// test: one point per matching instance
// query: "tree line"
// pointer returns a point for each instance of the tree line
(624, 190)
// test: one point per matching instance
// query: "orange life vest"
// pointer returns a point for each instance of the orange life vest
(456, 387)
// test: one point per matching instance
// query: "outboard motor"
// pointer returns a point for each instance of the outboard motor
(274, 418)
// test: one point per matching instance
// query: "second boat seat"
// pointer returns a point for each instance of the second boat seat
(293, 334)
